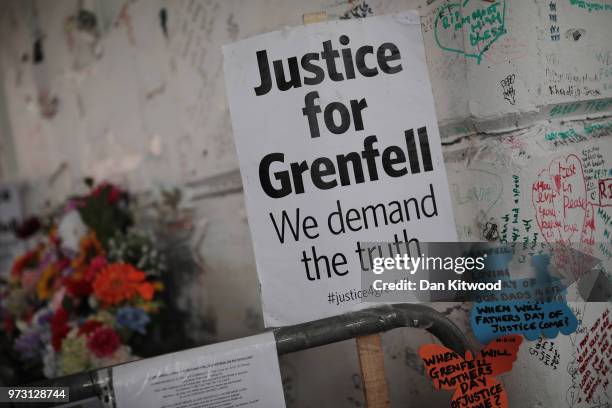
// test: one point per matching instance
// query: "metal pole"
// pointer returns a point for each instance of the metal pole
(303, 336)
(375, 320)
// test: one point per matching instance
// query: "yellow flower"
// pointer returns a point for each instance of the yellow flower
(105, 317)
(89, 248)
(149, 307)
(44, 286)
(74, 356)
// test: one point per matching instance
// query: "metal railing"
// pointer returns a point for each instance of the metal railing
(289, 339)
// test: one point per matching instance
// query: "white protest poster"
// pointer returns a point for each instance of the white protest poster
(338, 144)
(237, 373)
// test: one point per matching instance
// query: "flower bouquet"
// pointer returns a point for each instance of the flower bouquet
(87, 293)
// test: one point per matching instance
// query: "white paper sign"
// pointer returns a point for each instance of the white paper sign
(338, 143)
(237, 373)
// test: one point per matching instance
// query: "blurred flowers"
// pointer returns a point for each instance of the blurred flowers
(29, 344)
(84, 295)
(27, 260)
(133, 318)
(74, 356)
(113, 193)
(45, 284)
(120, 282)
(27, 228)
(103, 341)
(70, 230)
(59, 328)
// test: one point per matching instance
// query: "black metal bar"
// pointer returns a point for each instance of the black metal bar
(81, 387)
(290, 339)
(375, 320)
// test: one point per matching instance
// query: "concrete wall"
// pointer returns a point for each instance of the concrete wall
(143, 104)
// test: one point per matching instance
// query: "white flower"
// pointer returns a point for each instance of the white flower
(123, 354)
(93, 302)
(22, 326)
(70, 229)
(50, 368)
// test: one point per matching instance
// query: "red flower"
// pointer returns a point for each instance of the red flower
(9, 325)
(63, 263)
(78, 288)
(96, 265)
(89, 327)
(103, 341)
(27, 228)
(119, 282)
(59, 328)
(29, 313)
(113, 193)
(27, 260)
(54, 239)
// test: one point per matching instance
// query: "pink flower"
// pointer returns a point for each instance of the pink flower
(29, 279)
(96, 264)
(72, 204)
(63, 263)
(58, 298)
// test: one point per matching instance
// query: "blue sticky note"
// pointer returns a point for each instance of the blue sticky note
(531, 307)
